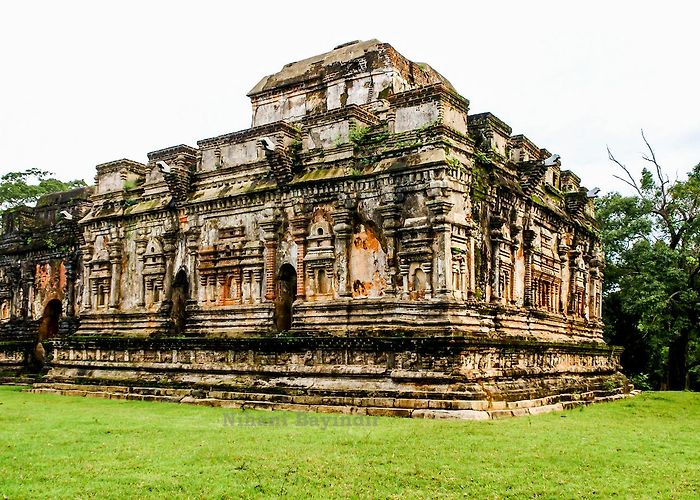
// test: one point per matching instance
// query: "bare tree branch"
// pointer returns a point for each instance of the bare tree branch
(659, 208)
(659, 173)
(631, 182)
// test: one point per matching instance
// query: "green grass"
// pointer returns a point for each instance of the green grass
(57, 446)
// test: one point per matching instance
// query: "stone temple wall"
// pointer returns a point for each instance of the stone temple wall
(368, 245)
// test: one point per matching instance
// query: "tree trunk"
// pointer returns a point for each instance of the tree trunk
(677, 363)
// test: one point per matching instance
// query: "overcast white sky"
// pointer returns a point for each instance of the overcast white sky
(83, 83)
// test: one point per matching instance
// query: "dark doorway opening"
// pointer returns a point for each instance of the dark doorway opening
(286, 289)
(48, 328)
(180, 295)
(48, 325)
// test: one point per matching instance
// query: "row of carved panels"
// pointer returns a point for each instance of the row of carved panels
(482, 359)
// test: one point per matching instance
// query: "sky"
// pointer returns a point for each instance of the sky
(83, 83)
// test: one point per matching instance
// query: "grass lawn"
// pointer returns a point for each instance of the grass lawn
(58, 446)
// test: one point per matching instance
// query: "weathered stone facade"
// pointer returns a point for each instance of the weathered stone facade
(366, 246)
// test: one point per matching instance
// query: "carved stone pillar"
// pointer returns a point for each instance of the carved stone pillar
(471, 260)
(592, 310)
(269, 227)
(391, 120)
(247, 287)
(237, 278)
(585, 310)
(496, 292)
(391, 214)
(440, 207)
(70, 266)
(342, 227)
(221, 288)
(211, 289)
(528, 243)
(86, 251)
(299, 225)
(140, 288)
(256, 283)
(496, 234)
(563, 251)
(26, 287)
(192, 243)
(574, 306)
(169, 240)
(115, 260)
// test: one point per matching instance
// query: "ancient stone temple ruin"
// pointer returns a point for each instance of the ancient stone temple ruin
(367, 246)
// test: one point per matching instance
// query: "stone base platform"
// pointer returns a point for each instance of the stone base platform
(400, 407)
(426, 377)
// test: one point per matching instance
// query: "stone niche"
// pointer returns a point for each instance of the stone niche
(366, 246)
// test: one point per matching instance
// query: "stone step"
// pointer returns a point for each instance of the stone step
(195, 395)
(403, 407)
(18, 380)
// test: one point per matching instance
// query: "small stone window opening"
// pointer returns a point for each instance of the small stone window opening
(419, 283)
(457, 278)
(5, 311)
(102, 296)
(230, 290)
(322, 281)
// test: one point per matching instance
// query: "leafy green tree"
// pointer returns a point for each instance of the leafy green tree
(652, 295)
(25, 188)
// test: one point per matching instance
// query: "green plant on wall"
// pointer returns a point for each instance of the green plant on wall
(357, 135)
(479, 181)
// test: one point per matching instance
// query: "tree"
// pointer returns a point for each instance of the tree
(25, 188)
(652, 295)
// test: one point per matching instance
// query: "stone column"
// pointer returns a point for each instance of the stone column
(211, 288)
(247, 294)
(342, 227)
(237, 279)
(563, 251)
(70, 266)
(391, 120)
(586, 313)
(269, 227)
(599, 292)
(257, 279)
(140, 288)
(192, 247)
(528, 243)
(471, 260)
(26, 286)
(15, 282)
(574, 306)
(86, 250)
(169, 240)
(439, 207)
(221, 288)
(403, 273)
(115, 260)
(391, 213)
(496, 234)
(495, 267)
(299, 225)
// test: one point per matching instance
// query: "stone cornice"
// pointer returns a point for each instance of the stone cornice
(250, 133)
(120, 165)
(172, 151)
(339, 114)
(428, 93)
(490, 120)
